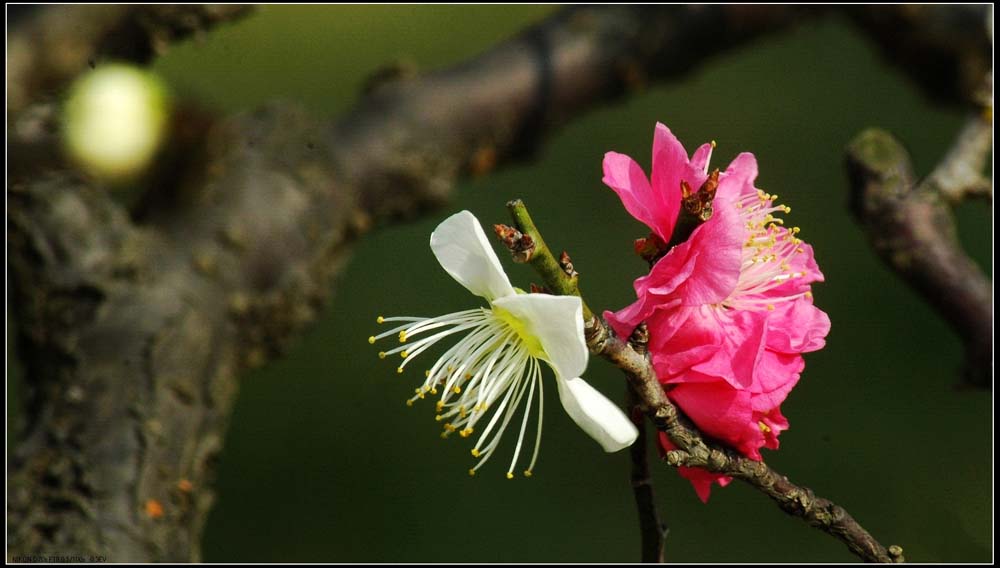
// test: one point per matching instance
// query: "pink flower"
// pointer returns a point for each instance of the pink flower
(730, 309)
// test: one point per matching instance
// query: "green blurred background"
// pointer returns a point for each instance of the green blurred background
(324, 462)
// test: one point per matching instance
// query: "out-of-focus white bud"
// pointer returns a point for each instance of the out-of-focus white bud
(114, 120)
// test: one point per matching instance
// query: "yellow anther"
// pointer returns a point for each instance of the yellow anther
(775, 196)
(510, 475)
(444, 435)
(409, 402)
(527, 473)
(713, 144)
(461, 412)
(809, 294)
(381, 354)
(404, 354)
(379, 319)
(468, 375)
(439, 406)
(399, 370)
(456, 389)
(787, 209)
(427, 373)
(402, 337)
(371, 339)
(434, 390)
(475, 453)
(770, 307)
(799, 250)
(449, 427)
(451, 369)
(466, 433)
(438, 418)
(472, 473)
(764, 427)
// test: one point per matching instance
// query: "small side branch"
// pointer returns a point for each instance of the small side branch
(912, 228)
(652, 530)
(960, 173)
(694, 451)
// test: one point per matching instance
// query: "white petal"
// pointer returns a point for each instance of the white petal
(557, 323)
(596, 415)
(460, 245)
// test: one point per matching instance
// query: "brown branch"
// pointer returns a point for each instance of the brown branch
(944, 48)
(49, 46)
(960, 173)
(652, 531)
(912, 228)
(694, 451)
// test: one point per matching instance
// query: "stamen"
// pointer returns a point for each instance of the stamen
(489, 368)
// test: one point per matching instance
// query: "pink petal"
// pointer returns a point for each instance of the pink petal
(627, 179)
(716, 250)
(739, 339)
(776, 424)
(797, 327)
(777, 374)
(716, 408)
(737, 180)
(670, 164)
(701, 157)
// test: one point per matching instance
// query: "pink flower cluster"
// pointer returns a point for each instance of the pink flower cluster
(730, 309)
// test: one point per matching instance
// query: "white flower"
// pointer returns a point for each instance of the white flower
(485, 377)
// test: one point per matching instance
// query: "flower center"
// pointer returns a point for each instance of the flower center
(482, 379)
(523, 331)
(768, 254)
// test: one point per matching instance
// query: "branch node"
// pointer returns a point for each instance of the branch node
(639, 340)
(896, 553)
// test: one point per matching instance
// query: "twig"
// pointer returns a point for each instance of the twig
(912, 228)
(652, 531)
(960, 173)
(694, 451)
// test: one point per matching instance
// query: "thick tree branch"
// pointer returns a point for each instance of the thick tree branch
(944, 48)
(49, 46)
(694, 451)
(912, 228)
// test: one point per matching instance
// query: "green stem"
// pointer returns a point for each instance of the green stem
(543, 261)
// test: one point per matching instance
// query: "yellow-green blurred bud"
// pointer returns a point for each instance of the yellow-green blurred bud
(114, 120)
